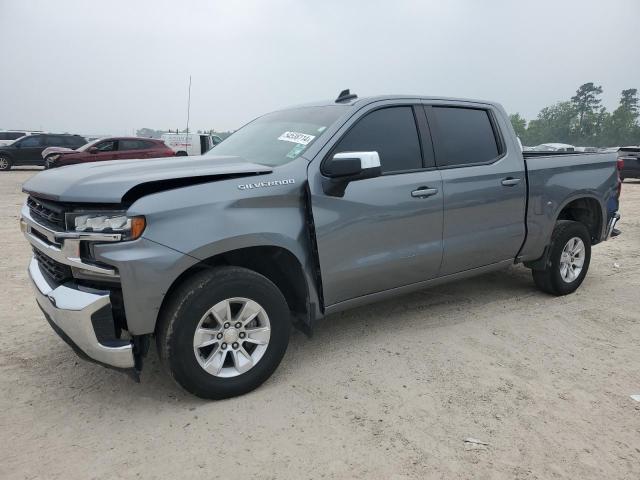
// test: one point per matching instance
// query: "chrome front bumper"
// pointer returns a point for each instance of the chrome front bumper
(70, 312)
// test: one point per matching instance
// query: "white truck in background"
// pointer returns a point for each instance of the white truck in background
(190, 143)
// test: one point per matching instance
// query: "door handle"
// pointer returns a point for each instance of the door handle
(424, 192)
(510, 182)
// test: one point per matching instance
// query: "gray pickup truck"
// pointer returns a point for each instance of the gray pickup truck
(301, 213)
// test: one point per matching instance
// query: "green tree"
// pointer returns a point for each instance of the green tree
(553, 124)
(586, 103)
(519, 125)
(621, 127)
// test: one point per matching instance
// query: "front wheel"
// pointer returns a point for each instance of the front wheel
(569, 258)
(223, 332)
(5, 163)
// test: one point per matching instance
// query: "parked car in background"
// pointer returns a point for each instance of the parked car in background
(554, 147)
(7, 137)
(28, 150)
(111, 148)
(189, 144)
(629, 160)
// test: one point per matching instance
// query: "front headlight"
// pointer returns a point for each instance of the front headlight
(106, 222)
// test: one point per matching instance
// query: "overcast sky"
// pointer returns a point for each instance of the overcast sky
(110, 67)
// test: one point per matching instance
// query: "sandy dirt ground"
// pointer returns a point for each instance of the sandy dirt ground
(388, 391)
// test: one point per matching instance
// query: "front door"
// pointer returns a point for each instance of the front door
(484, 186)
(382, 233)
(29, 150)
(106, 150)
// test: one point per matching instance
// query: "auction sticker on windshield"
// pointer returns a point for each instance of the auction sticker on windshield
(296, 137)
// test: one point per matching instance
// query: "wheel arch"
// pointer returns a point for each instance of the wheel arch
(276, 263)
(586, 209)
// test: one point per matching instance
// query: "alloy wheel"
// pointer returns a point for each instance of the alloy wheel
(232, 337)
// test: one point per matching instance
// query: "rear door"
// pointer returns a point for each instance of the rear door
(380, 234)
(131, 148)
(484, 185)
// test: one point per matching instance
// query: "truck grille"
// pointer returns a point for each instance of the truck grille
(56, 270)
(47, 212)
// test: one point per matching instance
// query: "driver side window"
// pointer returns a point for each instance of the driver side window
(108, 146)
(31, 141)
(391, 132)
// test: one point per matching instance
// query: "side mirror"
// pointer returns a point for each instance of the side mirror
(347, 167)
(93, 150)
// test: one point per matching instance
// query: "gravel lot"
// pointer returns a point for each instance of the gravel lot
(386, 391)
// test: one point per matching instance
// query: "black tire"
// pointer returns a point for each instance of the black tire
(550, 279)
(187, 305)
(5, 163)
(181, 154)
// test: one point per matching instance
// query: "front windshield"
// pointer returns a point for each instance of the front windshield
(280, 137)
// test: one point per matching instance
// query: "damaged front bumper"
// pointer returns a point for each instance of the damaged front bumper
(79, 315)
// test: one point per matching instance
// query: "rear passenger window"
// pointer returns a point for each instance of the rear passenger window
(465, 136)
(71, 142)
(131, 145)
(54, 141)
(389, 131)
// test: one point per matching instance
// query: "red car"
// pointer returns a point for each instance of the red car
(112, 148)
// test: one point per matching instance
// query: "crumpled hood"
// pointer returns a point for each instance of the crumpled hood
(50, 150)
(109, 182)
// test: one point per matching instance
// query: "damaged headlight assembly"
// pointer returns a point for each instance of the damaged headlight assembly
(111, 222)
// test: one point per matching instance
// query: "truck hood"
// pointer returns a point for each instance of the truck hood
(120, 181)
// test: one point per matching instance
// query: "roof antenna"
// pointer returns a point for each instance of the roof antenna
(345, 96)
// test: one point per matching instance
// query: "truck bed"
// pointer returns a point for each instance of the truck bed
(554, 180)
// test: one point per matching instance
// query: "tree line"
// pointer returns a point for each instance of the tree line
(583, 121)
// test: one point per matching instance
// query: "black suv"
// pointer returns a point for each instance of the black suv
(28, 150)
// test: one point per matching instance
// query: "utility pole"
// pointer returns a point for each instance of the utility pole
(188, 104)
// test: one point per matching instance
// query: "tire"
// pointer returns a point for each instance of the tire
(188, 308)
(555, 279)
(181, 153)
(5, 163)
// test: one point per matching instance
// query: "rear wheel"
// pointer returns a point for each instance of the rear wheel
(5, 163)
(181, 154)
(224, 332)
(569, 258)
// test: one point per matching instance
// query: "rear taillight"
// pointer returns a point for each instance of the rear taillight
(619, 167)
